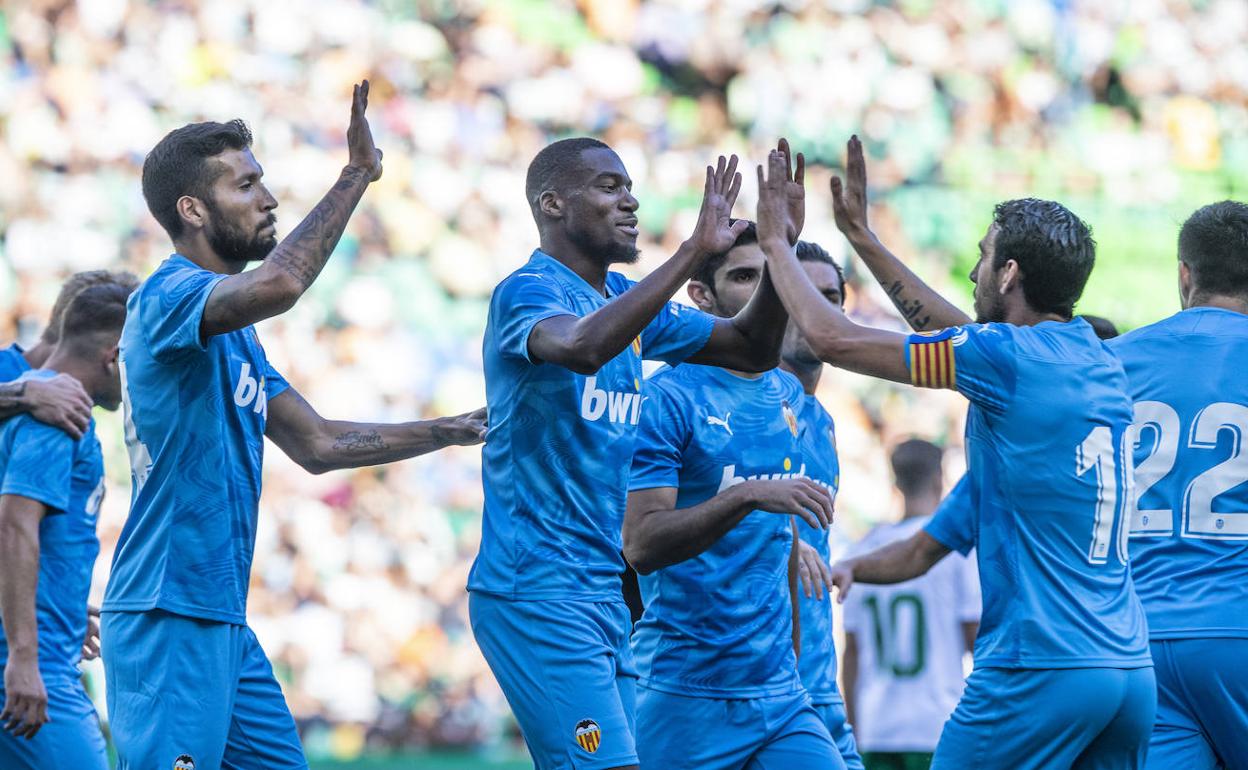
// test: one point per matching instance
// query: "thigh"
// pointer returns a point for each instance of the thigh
(678, 732)
(1214, 673)
(170, 688)
(262, 731)
(836, 720)
(1123, 744)
(1177, 739)
(560, 666)
(797, 738)
(70, 739)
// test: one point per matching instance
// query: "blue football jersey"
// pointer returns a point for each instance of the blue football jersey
(817, 664)
(555, 461)
(195, 413)
(720, 625)
(1189, 533)
(12, 363)
(43, 463)
(1045, 440)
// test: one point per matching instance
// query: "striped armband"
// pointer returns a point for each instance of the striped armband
(932, 364)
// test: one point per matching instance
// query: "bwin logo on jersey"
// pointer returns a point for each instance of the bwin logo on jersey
(251, 392)
(731, 479)
(618, 406)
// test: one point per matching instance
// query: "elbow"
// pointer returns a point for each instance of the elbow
(638, 556)
(829, 347)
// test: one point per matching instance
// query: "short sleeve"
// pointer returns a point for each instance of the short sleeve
(520, 303)
(274, 383)
(953, 524)
(970, 601)
(40, 465)
(662, 436)
(977, 360)
(171, 307)
(675, 334)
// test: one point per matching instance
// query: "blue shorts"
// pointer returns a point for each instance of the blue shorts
(834, 718)
(70, 739)
(1042, 719)
(567, 671)
(679, 732)
(183, 688)
(1202, 704)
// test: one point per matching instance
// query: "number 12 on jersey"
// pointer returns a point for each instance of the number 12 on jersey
(1097, 454)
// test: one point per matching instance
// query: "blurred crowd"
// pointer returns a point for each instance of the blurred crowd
(1135, 106)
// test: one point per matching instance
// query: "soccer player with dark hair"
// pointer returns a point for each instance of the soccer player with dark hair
(187, 681)
(904, 643)
(718, 456)
(51, 486)
(1189, 528)
(563, 349)
(1063, 674)
(59, 400)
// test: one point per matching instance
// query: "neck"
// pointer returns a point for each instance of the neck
(63, 362)
(1022, 315)
(808, 376)
(1222, 301)
(37, 356)
(196, 249)
(921, 504)
(591, 270)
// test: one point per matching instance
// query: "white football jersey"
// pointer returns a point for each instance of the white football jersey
(910, 646)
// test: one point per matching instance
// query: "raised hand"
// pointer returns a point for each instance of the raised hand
(799, 497)
(781, 198)
(25, 698)
(364, 155)
(794, 190)
(714, 233)
(60, 401)
(813, 572)
(849, 197)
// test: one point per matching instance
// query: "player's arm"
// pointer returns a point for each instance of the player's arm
(60, 401)
(319, 445)
(657, 534)
(585, 343)
(831, 335)
(849, 677)
(893, 563)
(26, 700)
(921, 306)
(794, 562)
(274, 287)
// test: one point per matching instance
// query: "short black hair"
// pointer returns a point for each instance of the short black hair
(551, 166)
(916, 464)
(808, 251)
(1053, 248)
(705, 273)
(180, 165)
(95, 310)
(1104, 328)
(1213, 243)
(72, 287)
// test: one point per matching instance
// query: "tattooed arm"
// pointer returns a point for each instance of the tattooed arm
(274, 287)
(320, 445)
(918, 303)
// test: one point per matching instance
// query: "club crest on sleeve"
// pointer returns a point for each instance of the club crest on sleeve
(637, 346)
(588, 736)
(184, 762)
(790, 418)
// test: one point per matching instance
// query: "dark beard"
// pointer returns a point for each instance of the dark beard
(994, 313)
(610, 253)
(233, 245)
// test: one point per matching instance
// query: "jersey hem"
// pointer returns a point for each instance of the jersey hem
(1198, 633)
(610, 597)
(1144, 661)
(176, 608)
(733, 693)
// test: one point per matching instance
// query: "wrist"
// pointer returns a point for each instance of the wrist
(774, 244)
(356, 174)
(24, 655)
(860, 235)
(745, 494)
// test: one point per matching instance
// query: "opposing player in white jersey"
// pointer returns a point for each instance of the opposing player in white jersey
(904, 642)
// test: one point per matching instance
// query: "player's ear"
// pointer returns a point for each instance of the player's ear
(550, 204)
(1011, 277)
(193, 211)
(1185, 283)
(701, 295)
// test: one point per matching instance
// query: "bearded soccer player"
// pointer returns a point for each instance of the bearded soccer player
(1063, 675)
(187, 681)
(563, 350)
(1189, 533)
(60, 400)
(51, 486)
(718, 480)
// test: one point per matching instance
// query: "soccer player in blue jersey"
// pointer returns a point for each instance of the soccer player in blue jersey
(1189, 531)
(563, 349)
(1063, 675)
(188, 684)
(61, 400)
(51, 486)
(719, 454)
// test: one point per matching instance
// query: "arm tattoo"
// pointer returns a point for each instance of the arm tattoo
(910, 309)
(305, 251)
(360, 441)
(11, 397)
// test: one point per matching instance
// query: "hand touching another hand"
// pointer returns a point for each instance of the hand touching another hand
(714, 232)
(781, 196)
(813, 572)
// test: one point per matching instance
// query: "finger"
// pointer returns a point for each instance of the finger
(776, 170)
(811, 500)
(783, 148)
(801, 511)
(730, 173)
(824, 499)
(364, 93)
(738, 227)
(734, 189)
(720, 162)
(837, 192)
(816, 587)
(803, 577)
(355, 101)
(761, 181)
(708, 187)
(800, 175)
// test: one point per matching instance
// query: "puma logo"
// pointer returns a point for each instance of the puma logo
(713, 420)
